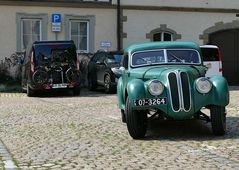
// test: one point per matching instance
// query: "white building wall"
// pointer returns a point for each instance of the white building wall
(229, 4)
(105, 25)
(189, 24)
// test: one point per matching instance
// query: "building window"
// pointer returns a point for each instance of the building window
(30, 28)
(163, 33)
(30, 32)
(81, 29)
(163, 36)
(80, 35)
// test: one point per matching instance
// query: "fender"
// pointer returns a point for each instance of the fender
(120, 93)
(219, 95)
(136, 89)
(221, 90)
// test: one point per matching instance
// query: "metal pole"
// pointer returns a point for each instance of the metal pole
(56, 36)
(118, 26)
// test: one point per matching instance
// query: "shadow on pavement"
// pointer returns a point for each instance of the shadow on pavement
(68, 93)
(234, 88)
(190, 130)
(99, 92)
(53, 93)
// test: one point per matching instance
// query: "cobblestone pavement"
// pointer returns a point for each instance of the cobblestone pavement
(85, 132)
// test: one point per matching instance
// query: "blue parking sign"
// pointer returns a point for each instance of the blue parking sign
(56, 22)
(56, 18)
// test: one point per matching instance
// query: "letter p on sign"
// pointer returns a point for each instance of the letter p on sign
(56, 18)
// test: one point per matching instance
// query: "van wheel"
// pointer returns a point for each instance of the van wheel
(30, 92)
(136, 122)
(218, 120)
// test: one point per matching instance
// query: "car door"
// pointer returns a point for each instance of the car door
(92, 68)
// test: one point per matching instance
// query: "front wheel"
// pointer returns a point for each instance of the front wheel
(123, 117)
(136, 122)
(108, 84)
(218, 119)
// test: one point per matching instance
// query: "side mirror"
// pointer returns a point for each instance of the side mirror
(122, 69)
(118, 71)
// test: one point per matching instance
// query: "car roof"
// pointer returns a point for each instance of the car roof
(209, 46)
(52, 42)
(162, 45)
(111, 52)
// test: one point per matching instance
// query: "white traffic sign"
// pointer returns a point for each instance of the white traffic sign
(105, 44)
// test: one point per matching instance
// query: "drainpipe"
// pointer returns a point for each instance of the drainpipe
(118, 26)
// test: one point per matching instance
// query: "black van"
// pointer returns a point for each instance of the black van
(50, 65)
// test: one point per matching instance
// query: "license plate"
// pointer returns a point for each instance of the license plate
(57, 86)
(150, 102)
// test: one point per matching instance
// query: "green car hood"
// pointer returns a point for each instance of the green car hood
(158, 72)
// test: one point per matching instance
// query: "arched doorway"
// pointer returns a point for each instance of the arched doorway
(226, 37)
(228, 42)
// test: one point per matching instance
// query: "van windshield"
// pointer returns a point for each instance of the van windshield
(46, 53)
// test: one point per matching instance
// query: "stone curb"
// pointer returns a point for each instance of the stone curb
(6, 158)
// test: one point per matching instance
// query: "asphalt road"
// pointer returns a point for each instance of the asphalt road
(58, 131)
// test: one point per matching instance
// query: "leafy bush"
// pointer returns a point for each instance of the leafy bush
(10, 71)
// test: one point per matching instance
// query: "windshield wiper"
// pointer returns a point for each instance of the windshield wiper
(175, 57)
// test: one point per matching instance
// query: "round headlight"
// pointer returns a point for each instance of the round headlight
(203, 85)
(155, 87)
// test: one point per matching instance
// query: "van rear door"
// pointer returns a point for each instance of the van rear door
(212, 59)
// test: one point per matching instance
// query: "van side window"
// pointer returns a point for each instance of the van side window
(210, 54)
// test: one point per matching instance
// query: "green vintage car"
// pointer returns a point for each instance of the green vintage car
(167, 80)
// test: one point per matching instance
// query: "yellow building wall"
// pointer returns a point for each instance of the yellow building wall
(225, 4)
(105, 25)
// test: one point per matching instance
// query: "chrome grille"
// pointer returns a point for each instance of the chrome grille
(179, 91)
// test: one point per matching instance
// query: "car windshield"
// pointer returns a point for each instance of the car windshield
(169, 56)
(114, 58)
(55, 53)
